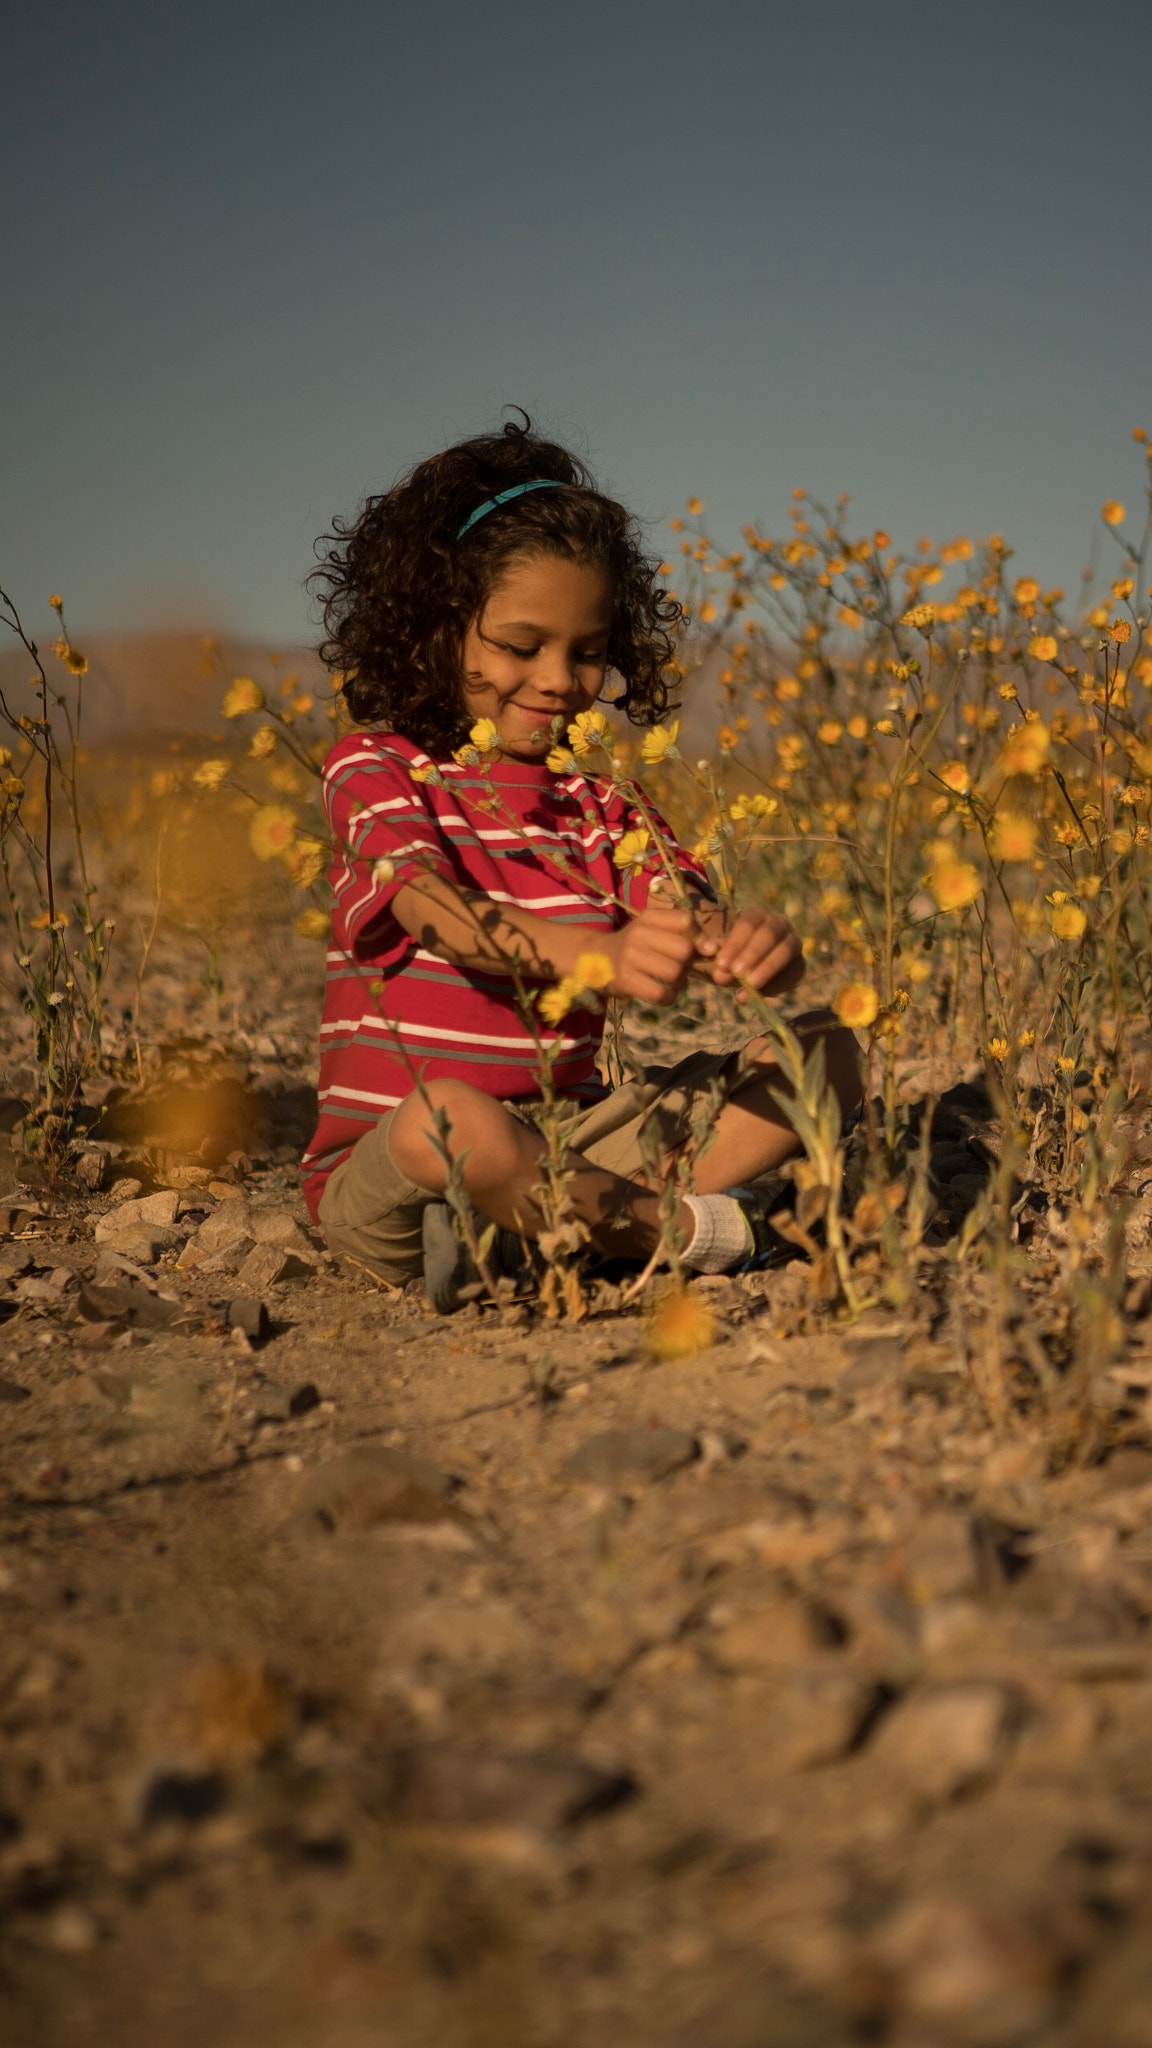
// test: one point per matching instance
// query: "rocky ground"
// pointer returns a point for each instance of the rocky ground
(367, 1677)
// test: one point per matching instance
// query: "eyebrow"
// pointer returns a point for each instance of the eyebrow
(530, 626)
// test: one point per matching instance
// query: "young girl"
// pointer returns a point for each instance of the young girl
(496, 582)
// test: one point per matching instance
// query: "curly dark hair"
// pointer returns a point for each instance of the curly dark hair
(399, 591)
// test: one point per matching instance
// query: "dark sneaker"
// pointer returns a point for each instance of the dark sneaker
(763, 1199)
(451, 1277)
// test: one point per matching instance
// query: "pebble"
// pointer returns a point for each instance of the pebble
(250, 1316)
(274, 1403)
(71, 1930)
(819, 1716)
(620, 1456)
(371, 1484)
(457, 1786)
(943, 1739)
(264, 1265)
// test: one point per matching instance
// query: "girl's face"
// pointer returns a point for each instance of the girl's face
(538, 651)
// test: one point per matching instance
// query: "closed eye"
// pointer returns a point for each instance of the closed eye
(587, 656)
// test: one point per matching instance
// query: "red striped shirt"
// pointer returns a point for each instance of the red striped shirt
(394, 1011)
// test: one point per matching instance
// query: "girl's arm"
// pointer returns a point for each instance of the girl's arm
(650, 954)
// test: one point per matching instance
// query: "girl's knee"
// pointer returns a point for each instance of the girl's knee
(455, 1113)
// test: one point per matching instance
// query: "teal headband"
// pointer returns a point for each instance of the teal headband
(544, 483)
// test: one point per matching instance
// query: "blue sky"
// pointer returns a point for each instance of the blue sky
(258, 259)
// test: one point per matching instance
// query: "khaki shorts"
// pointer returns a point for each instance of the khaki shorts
(371, 1213)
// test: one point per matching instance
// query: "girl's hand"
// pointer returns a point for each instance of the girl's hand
(651, 954)
(761, 949)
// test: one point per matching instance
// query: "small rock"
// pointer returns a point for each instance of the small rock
(92, 1169)
(71, 1929)
(250, 1316)
(228, 1259)
(136, 1307)
(142, 1242)
(263, 1267)
(764, 1638)
(820, 1715)
(279, 1227)
(125, 1190)
(273, 1403)
(620, 1456)
(441, 1783)
(371, 1484)
(942, 1559)
(972, 1972)
(39, 1292)
(227, 1224)
(180, 1795)
(943, 1739)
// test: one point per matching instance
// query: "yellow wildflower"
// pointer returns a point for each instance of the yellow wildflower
(243, 695)
(954, 883)
(272, 831)
(1013, 837)
(1112, 512)
(306, 861)
(75, 662)
(263, 743)
(1043, 647)
(1120, 632)
(920, 615)
(659, 743)
(210, 774)
(631, 850)
(727, 740)
(998, 1048)
(1026, 590)
(1068, 921)
(1026, 1040)
(592, 970)
(561, 762)
(829, 731)
(555, 1003)
(681, 1326)
(485, 736)
(302, 704)
(956, 776)
(857, 1005)
(56, 601)
(850, 617)
(1026, 748)
(312, 924)
(428, 773)
(589, 729)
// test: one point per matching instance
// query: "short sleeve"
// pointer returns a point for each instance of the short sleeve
(635, 832)
(385, 835)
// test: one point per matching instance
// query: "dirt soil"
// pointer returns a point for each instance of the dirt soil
(367, 1677)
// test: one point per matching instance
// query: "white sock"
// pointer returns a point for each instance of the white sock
(722, 1236)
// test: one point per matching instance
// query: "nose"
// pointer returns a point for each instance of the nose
(557, 678)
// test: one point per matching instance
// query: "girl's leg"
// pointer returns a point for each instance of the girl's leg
(752, 1131)
(502, 1165)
